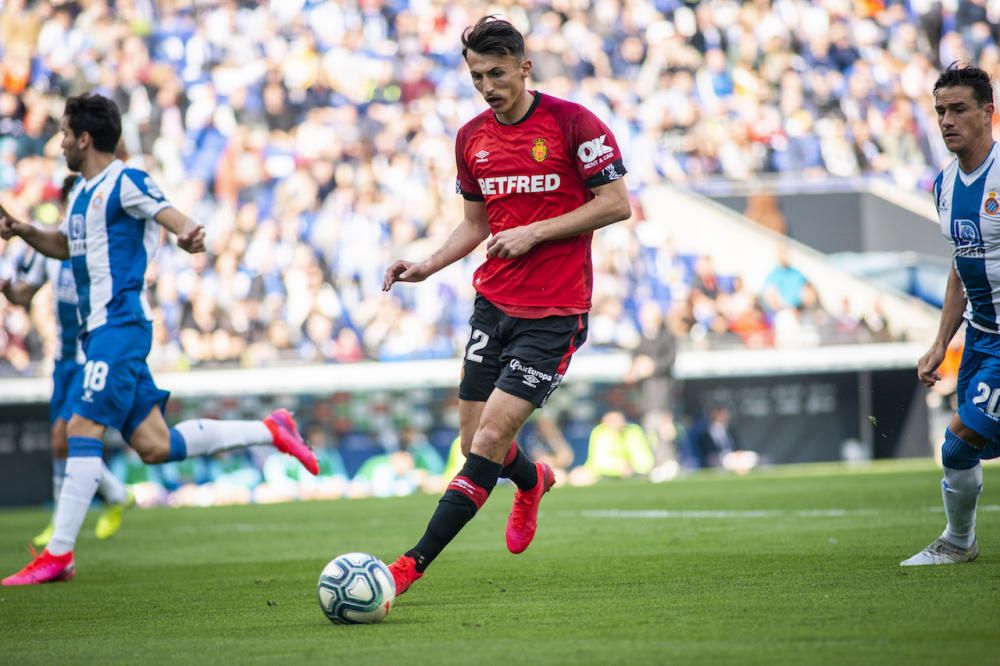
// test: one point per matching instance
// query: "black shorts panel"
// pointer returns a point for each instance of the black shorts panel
(524, 357)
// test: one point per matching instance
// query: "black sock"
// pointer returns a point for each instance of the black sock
(519, 469)
(465, 494)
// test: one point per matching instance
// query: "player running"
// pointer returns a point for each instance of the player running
(966, 195)
(540, 174)
(109, 234)
(33, 271)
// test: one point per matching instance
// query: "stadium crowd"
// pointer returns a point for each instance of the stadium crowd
(315, 139)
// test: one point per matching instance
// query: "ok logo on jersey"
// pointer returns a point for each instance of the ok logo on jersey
(593, 149)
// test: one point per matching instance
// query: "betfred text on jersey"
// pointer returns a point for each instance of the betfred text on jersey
(519, 184)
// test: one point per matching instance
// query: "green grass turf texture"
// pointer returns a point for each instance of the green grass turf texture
(794, 565)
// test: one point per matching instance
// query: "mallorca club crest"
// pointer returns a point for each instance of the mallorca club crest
(991, 206)
(539, 150)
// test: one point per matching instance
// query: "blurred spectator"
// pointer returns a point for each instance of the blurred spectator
(618, 448)
(652, 369)
(282, 480)
(783, 286)
(712, 442)
(314, 138)
(414, 466)
(548, 444)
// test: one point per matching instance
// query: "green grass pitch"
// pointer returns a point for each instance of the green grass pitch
(796, 565)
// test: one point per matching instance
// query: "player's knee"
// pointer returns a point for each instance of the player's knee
(154, 455)
(967, 434)
(150, 449)
(80, 426)
(957, 453)
(489, 441)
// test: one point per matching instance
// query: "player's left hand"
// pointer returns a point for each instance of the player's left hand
(8, 225)
(927, 367)
(192, 240)
(511, 243)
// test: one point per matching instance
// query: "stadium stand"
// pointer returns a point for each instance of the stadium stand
(314, 140)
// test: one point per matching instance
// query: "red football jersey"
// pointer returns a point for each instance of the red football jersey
(541, 167)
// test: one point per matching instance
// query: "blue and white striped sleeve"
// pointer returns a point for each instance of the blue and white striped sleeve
(31, 269)
(140, 197)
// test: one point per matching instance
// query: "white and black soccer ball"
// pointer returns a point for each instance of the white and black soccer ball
(356, 588)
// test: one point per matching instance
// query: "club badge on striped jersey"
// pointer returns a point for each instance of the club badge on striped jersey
(539, 151)
(991, 206)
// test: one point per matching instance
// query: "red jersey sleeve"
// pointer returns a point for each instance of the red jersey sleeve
(465, 184)
(598, 157)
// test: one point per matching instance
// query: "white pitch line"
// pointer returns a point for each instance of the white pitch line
(688, 514)
(663, 514)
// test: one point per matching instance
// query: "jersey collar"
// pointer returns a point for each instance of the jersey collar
(531, 110)
(96, 180)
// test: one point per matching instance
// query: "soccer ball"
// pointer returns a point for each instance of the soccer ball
(356, 588)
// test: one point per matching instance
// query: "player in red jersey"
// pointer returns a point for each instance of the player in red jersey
(538, 175)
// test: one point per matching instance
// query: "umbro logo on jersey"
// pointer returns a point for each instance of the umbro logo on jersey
(481, 156)
(611, 172)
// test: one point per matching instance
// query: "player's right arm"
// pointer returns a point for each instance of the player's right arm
(190, 234)
(466, 237)
(49, 243)
(951, 319)
(143, 200)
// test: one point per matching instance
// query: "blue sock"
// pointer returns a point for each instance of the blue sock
(85, 447)
(178, 447)
(958, 454)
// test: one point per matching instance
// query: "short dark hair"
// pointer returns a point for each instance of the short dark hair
(971, 77)
(67, 187)
(98, 116)
(493, 36)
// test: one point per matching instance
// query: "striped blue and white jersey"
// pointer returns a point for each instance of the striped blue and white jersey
(968, 207)
(36, 269)
(112, 237)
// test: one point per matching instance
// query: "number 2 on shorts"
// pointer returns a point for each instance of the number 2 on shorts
(479, 340)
